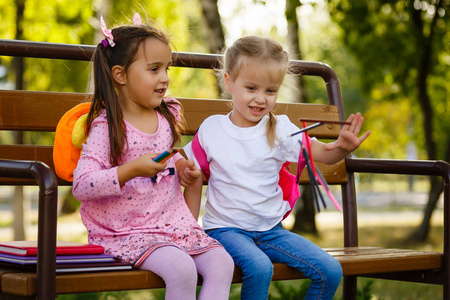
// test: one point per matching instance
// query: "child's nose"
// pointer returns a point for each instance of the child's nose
(260, 99)
(165, 77)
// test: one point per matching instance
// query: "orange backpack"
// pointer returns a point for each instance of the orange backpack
(69, 137)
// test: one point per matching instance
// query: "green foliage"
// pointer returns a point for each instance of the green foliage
(286, 291)
(388, 38)
(56, 21)
(122, 295)
(321, 40)
(365, 292)
(181, 19)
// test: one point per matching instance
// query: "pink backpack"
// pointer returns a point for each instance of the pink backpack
(287, 182)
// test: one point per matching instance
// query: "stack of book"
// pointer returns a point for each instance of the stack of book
(71, 257)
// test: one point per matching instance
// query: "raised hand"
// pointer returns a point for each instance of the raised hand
(348, 139)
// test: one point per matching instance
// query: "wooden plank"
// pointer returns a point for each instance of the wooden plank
(22, 284)
(334, 174)
(35, 111)
(354, 261)
(196, 110)
(41, 111)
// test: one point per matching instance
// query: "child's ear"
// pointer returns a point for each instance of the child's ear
(227, 81)
(118, 73)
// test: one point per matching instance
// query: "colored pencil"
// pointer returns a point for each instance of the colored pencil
(307, 128)
(325, 121)
(165, 155)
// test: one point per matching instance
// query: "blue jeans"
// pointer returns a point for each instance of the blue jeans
(254, 251)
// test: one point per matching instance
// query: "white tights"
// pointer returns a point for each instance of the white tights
(179, 272)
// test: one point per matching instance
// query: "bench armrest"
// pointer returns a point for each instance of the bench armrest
(47, 217)
(397, 166)
(403, 167)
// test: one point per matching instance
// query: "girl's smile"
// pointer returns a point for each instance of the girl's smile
(254, 90)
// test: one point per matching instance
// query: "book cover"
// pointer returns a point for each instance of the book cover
(74, 268)
(94, 267)
(27, 248)
(60, 259)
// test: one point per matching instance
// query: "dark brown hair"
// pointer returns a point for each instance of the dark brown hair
(127, 40)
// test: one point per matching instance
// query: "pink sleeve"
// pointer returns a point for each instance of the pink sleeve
(177, 156)
(94, 176)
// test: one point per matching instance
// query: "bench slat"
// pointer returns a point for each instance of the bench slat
(334, 174)
(354, 261)
(41, 111)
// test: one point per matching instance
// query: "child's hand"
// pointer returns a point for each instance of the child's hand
(147, 166)
(348, 138)
(189, 173)
(143, 166)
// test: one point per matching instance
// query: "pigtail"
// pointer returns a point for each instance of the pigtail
(271, 132)
(177, 126)
(105, 97)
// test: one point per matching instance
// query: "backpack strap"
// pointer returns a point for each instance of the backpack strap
(200, 155)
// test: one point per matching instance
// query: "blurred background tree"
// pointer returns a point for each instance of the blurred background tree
(402, 49)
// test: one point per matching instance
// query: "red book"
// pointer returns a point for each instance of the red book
(27, 248)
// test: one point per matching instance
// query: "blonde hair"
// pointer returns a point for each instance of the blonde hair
(266, 49)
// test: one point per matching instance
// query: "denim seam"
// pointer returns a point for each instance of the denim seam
(302, 261)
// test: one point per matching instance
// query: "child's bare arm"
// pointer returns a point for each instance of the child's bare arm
(193, 197)
(192, 179)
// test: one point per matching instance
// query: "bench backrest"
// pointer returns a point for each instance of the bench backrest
(41, 111)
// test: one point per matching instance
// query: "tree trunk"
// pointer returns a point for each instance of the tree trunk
(305, 220)
(304, 211)
(421, 233)
(293, 36)
(214, 31)
(215, 35)
(424, 68)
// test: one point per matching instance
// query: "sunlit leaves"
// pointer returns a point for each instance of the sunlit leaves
(389, 39)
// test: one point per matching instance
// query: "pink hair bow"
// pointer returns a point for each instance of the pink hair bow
(107, 32)
(137, 19)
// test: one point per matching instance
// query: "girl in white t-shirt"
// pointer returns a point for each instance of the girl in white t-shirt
(245, 150)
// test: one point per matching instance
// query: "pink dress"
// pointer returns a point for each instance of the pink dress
(146, 213)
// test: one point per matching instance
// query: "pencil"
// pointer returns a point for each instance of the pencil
(165, 155)
(325, 121)
(307, 128)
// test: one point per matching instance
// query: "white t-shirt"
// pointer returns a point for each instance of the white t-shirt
(243, 190)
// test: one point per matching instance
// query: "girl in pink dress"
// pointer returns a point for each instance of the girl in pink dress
(132, 205)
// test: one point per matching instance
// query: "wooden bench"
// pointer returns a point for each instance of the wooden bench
(33, 165)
